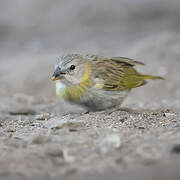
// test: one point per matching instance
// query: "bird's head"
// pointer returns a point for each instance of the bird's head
(71, 69)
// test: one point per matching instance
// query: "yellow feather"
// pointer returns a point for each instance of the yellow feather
(78, 91)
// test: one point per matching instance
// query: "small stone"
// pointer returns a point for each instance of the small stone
(72, 130)
(60, 152)
(35, 124)
(176, 149)
(109, 143)
(55, 152)
(141, 127)
(123, 119)
(168, 114)
(119, 160)
(40, 139)
(44, 116)
(11, 129)
(72, 126)
(68, 158)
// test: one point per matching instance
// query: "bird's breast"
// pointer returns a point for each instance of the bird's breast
(72, 93)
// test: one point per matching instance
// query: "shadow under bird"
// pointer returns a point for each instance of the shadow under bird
(96, 82)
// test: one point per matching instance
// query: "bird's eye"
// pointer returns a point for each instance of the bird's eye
(72, 67)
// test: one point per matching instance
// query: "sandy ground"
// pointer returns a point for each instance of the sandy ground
(42, 137)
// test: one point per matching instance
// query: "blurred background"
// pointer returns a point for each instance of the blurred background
(33, 34)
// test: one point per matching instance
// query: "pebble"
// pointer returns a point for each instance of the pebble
(109, 143)
(168, 114)
(55, 151)
(11, 129)
(176, 149)
(72, 126)
(40, 139)
(44, 116)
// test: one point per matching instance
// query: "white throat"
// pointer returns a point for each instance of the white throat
(60, 86)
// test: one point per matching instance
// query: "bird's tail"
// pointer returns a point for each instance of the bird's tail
(151, 77)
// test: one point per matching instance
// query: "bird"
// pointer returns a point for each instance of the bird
(96, 82)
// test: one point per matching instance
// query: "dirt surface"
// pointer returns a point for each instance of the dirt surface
(42, 137)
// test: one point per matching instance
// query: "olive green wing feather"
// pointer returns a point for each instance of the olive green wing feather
(118, 74)
(126, 61)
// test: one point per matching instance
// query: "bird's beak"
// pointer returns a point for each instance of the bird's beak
(54, 78)
(57, 75)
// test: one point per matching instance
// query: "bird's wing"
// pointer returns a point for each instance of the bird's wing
(127, 61)
(117, 74)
